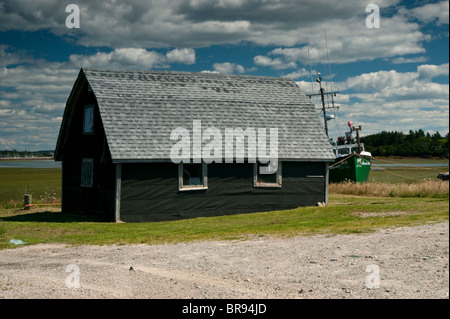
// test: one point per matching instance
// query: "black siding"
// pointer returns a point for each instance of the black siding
(149, 192)
(100, 198)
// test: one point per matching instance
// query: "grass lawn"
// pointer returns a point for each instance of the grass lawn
(410, 161)
(405, 174)
(402, 175)
(44, 184)
(345, 213)
(406, 171)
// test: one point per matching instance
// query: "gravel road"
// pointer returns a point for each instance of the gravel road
(410, 262)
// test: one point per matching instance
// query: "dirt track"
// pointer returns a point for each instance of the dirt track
(411, 263)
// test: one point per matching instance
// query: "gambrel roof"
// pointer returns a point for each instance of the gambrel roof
(139, 110)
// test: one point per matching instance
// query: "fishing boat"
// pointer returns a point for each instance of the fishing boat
(352, 161)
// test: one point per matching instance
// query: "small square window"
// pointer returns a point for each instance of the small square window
(88, 119)
(87, 172)
(192, 176)
(268, 174)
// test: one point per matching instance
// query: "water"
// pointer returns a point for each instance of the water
(379, 166)
(412, 164)
(31, 164)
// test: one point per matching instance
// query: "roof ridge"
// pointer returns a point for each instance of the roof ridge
(191, 73)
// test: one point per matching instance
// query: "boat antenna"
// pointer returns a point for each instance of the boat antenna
(329, 71)
(322, 93)
(310, 72)
(309, 59)
(328, 60)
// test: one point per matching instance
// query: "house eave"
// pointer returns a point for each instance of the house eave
(161, 160)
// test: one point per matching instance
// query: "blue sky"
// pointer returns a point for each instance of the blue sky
(391, 78)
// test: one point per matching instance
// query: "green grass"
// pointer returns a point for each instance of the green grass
(410, 161)
(407, 172)
(404, 175)
(343, 215)
(44, 184)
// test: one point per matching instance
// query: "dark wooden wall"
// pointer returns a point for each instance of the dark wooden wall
(99, 198)
(149, 192)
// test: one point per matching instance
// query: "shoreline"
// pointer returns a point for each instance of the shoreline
(43, 158)
(412, 158)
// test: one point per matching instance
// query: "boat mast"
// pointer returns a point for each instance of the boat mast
(322, 95)
(324, 110)
(358, 139)
(357, 129)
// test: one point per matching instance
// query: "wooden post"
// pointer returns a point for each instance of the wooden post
(118, 191)
(26, 201)
(327, 181)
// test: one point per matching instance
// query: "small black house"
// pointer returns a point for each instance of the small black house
(134, 145)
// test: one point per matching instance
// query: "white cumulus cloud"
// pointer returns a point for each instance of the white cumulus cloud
(228, 68)
(432, 12)
(185, 56)
(134, 58)
(276, 63)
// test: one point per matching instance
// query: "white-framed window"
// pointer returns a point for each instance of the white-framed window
(267, 175)
(88, 119)
(87, 172)
(192, 176)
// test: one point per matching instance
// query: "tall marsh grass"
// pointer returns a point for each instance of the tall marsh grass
(427, 188)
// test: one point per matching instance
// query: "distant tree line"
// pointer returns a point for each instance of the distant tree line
(15, 153)
(415, 143)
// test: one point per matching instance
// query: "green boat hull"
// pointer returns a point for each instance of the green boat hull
(352, 168)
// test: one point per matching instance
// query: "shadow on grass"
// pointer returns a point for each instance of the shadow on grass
(54, 217)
